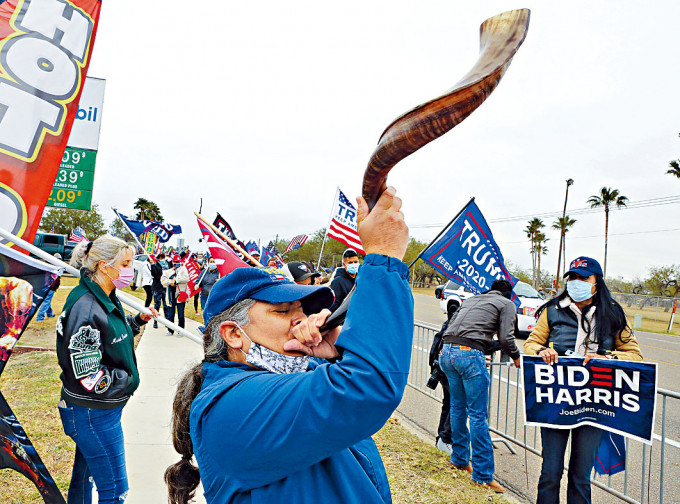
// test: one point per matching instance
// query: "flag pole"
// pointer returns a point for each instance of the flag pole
(441, 232)
(330, 216)
(231, 242)
(128, 228)
(133, 303)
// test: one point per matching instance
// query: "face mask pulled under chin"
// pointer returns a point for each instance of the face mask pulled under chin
(264, 358)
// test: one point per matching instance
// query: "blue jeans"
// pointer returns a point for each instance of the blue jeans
(100, 453)
(45, 309)
(585, 441)
(159, 299)
(469, 390)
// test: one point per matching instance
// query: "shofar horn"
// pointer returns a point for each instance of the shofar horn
(500, 38)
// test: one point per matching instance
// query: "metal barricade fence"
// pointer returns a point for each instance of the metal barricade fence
(647, 467)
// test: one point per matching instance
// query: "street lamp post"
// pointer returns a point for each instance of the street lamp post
(564, 214)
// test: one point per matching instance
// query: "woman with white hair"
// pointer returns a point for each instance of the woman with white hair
(95, 349)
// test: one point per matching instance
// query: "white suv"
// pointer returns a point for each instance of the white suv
(454, 294)
(526, 313)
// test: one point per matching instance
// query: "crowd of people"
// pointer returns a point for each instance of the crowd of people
(299, 403)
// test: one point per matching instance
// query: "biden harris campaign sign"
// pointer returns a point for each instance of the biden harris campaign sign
(467, 253)
(614, 395)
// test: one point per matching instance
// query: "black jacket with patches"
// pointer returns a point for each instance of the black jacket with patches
(95, 348)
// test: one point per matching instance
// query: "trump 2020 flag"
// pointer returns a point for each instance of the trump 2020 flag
(343, 226)
(467, 253)
(161, 229)
(614, 395)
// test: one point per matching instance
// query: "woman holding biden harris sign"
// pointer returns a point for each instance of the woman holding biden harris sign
(584, 321)
(267, 425)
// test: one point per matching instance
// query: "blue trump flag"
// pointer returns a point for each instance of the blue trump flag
(139, 227)
(614, 395)
(467, 253)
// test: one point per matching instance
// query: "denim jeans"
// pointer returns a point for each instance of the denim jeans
(465, 369)
(45, 309)
(159, 299)
(100, 453)
(172, 304)
(585, 441)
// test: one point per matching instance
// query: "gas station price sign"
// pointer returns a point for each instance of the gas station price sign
(73, 186)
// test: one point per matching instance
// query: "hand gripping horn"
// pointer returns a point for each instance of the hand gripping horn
(500, 38)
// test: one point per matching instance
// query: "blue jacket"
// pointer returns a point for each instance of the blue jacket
(261, 437)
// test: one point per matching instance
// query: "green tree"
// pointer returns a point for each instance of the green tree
(675, 168)
(562, 225)
(117, 228)
(64, 221)
(606, 199)
(522, 274)
(662, 280)
(533, 226)
(148, 210)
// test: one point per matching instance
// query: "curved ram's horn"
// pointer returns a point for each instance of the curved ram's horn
(500, 38)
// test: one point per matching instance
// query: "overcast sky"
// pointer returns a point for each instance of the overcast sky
(264, 108)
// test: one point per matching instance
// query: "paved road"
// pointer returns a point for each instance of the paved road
(663, 349)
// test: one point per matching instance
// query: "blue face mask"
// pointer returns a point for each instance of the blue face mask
(579, 290)
(212, 266)
(352, 268)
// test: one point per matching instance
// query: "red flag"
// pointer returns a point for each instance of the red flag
(46, 50)
(225, 258)
(194, 274)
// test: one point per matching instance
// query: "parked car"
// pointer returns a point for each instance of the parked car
(454, 293)
(526, 313)
(138, 264)
(53, 243)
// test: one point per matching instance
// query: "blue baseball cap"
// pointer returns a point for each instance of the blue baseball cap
(584, 266)
(270, 285)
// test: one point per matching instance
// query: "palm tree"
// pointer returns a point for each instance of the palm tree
(533, 226)
(675, 168)
(147, 210)
(562, 224)
(541, 249)
(606, 198)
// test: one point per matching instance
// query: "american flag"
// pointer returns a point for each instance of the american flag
(343, 225)
(297, 242)
(77, 235)
(52, 230)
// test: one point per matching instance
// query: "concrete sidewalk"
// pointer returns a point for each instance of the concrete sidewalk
(146, 419)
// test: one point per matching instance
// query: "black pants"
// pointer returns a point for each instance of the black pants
(149, 296)
(444, 429)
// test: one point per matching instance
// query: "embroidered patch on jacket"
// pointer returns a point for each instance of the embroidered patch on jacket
(103, 385)
(86, 357)
(60, 324)
(90, 381)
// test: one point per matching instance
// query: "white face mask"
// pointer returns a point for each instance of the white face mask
(275, 362)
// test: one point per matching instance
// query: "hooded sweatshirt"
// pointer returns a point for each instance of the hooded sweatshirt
(261, 437)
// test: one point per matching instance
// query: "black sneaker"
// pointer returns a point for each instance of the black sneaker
(155, 324)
